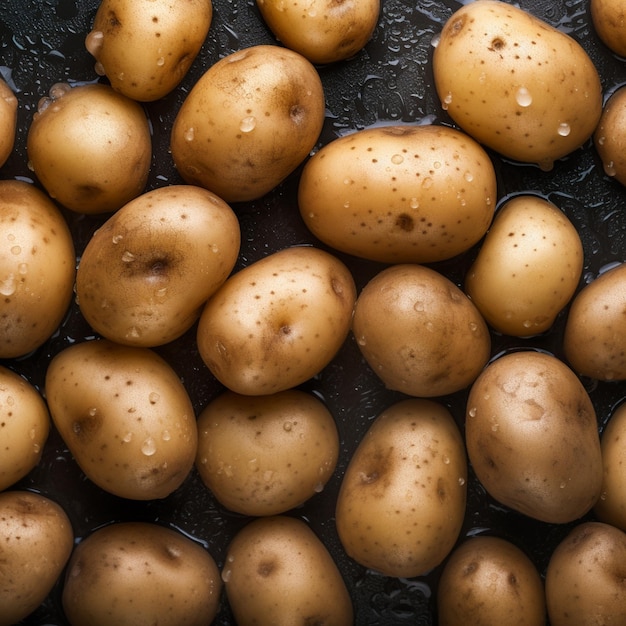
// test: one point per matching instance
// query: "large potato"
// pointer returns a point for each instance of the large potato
(277, 322)
(610, 135)
(145, 47)
(402, 500)
(515, 83)
(608, 17)
(249, 121)
(399, 194)
(8, 121)
(532, 437)
(147, 271)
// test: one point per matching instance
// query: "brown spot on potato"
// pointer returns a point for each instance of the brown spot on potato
(266, 568)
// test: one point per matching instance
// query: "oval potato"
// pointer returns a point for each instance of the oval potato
(8, 121)
(610, 136)
(607, 17)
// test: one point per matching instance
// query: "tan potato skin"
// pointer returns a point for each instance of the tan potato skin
(140, 574)
(610, 136)
(609, 18)
(37, 540)
(402, 499)
(8, 121)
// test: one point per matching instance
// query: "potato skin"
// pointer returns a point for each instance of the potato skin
(402, 499)
(140, 574)
(8, 121)
(399, 194)
(608, 18)
(610, 136)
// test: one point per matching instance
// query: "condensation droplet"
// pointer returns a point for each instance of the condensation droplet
(472, 412)
(461, 481)
(601, 140)
(603, 495)
(16, 250)
(248, 124)
(609, 168)
(564, 129)
(473, 326)
(133, 333)
(523, 97)
(527, 324)
(148, 447)
(226, 574)
(469, 177)
(362, 341)
(8, 286)
(189, 134)
(436, 38)
(99, 68)
(447, 101)
(36, 448)
(268, 475)
(397, 159)
(117, 238)
(419, 306)
(414, 203)
(160, 62)
(287, 426)
(319, 488)
(562, 485)
(127, 438)
(128, 257)
(22, 268)
(166, 436)
(427, 183)
(161, 293)
(446, 460)
(92, 411)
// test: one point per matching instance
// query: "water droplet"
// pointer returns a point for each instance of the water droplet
(287, 426)
(121, 76)
(446, 460)
(268, 475)
(8, 286)
(117, 238)
(160, 62)
(166, 435)
(495, 427)
(362, 341)
(546, 165)
(58, 90)
(472, 412)
(133, 333)
(36, 448)
(562, 485)
(230, 559)
(601, 140)
(419, 306)
(437, 165)
(469, 177)
(347, 181)
(523, 97)
(22, 268)
(189, 134)
(603, 495)
(99, 68)
(127, 438)
(427, 183)
(434, 42)
(564, 129)
(473, 326)
(94, 41)
(527, 324)
(92, 411)
(447, 101)
(461, 481)
(609, 168)
(204, 460)
(226, 574)
(248, 124)
(154, 397)
(397, 159)
(319, 488)
(161, 293)
(414, 203)
(148, 447)
(16, 250)
(128, 257)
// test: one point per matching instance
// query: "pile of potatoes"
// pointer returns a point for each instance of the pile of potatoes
(309, 364)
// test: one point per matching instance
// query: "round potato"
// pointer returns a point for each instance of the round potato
(322, 31)
(140, 574)
(532, 437)
(264, 455)
(610, 136)
(515, 83)
(24, 427)
(402, 499)
(399, 194)
(595, 332)
(249, 121)
(145, 47)
(125, 417)
(528, 267)
(37, 539)
(608, 18)
(90, 147)
(37, 268)
(278, 572)
(146, 273)
(8, 121)
(277, 322)
(419, 332)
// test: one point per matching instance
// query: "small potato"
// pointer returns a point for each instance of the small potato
(147, 271)
(264, 455)
(279, 573)
(322, 31)
(515, 83)
(145, 47)
(532, 437)
(90, 147)
(399, 194)
(402, 500)
(8, 121)
(610, 135)
(595, 332)
(140, 574)
(488, 580)
(125, 417)
(419, 332)
(527, 269)
(585, 577)
(24, 427)
(249, 121)
(277, 322)
(36, 540)
(609, 20)
(37, 268)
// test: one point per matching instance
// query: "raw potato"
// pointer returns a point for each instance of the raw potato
(399, 194)
(515, 83)
(140, 574)
(264, 455)
(608, 18)
(585, 577)
(595, 333)
(419, 332)
(277, 322)
(37, 539)
(322, 31)
(90, 147)
(24, 427)
(488, 580)
(532, 437)
(125, 417)
(8, 121)
(37, 268)
(528, 267)
(402, 500)
(145, 47)
(610, 135)
(248, 122)
(147, 271)
(279, 573)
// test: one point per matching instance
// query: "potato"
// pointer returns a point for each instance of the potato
(146, 273)
(607, 17)
(37, 539)
(488, 580)
(399, 194)
(248, 122)
(264, 455)
(419, 332)
(610, 136)
(24, 427)
(146, 47)
(322, 31)
(140, 574)
(90, 147)
(515, 83)
(585, 577)
(532, 437)
(528, 267)
(277, 322)
(595, 332)
(125, 417)
(37, 268)
(8, 121)
(279, 573)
